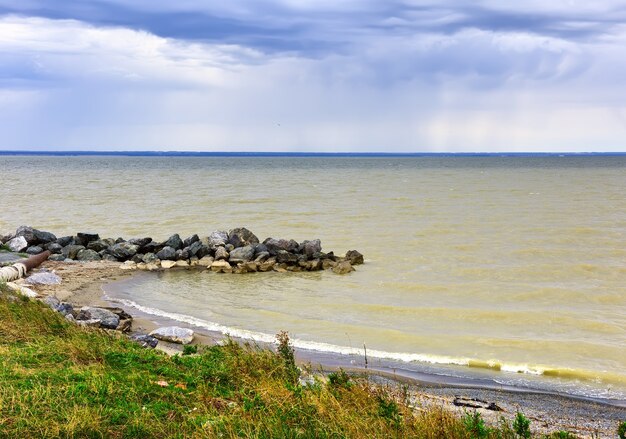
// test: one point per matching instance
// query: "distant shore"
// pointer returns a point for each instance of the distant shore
(83, 285)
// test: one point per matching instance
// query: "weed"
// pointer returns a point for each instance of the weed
(561, 435)
(190, 349)
(475, 425)
(286, 352)
(521, 425)
(340, 379)
(621, 430)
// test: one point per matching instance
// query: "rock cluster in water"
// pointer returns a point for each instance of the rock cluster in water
(236, 251)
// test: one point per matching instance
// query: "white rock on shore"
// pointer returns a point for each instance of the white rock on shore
(174, 334)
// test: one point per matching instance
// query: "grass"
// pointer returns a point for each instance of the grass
(60, 380)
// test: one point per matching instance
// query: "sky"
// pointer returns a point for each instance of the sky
(313, 75)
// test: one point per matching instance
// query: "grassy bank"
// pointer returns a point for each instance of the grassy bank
(59, 380)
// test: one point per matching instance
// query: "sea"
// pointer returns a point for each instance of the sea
(509, 269)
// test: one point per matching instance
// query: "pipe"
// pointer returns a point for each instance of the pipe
(19, 269)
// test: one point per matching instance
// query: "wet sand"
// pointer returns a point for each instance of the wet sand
(83, 285)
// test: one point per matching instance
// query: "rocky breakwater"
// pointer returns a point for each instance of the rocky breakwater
(236, 251)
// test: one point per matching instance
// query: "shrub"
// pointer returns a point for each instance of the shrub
(521, 425)
(475, 425)
(190, 349)
(286, 352)
(340, 379)
(621, 430)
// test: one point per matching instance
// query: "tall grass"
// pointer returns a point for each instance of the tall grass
(60, 380)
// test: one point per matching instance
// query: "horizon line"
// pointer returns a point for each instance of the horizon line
(300, 154)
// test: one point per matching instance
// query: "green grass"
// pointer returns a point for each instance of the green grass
(60, 380)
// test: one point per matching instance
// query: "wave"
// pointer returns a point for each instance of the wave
(495, 365)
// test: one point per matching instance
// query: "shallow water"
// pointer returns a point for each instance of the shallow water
(504, 264)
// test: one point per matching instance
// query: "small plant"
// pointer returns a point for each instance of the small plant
(521, 425)
(340, 379)
(286, 352)
(621, 430)
(4, 247)
(475, 425)
(190, 349)
(388, 409)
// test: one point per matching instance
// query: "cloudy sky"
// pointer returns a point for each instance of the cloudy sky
(313, 75)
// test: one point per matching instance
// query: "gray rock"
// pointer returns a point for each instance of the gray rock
(261, 257)
(354, 257)
(43, 278)
(87, 255)
(70, 318)
(174, 334)
(284, 257)
(140, 242)
(18, 244)
(123, 251)
(65, 241)
(183, 254)
(241, 237)
(85, 238)
(71, 251)
(8, 258)
(94, 323)
(44, 237)
(274, 245)
(175, 242)
(217, 239)
(108, 257)
(57, 258)
(203, 251)
(52, 302)
(34, 250)
(28, 233)
(343, 268)
(149, 258)
(187, 242)
(152, 247)
(242, 254)
(310, 248)
(100, 244)
(260, 248)
(167, 254)
(221, 253)
(54, 248)
(194, 248)
(146, 341)
(138, 258)
(65, 308)
(106, 318)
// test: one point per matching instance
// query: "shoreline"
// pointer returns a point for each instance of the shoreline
(84, 284)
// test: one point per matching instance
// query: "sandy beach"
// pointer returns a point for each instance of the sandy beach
(82, 285)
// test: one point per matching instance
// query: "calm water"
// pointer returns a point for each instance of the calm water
(514, 266)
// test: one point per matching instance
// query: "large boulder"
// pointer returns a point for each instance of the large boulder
(354, 257)
(343, 268)
(18, 244)
(54, 248)
(310, 248)
(64, 241)
(88, 255)
(217, 239)
(140, 242)
(175, 242)
(194, 248)
(174, 334)
(44, 237)
(107, 318)
(241, 237)
(34, 250)
(85, 238)
(274, 245)
(221, 253)
(43, 278)
(188, 241)
(101, 244)
(71, 251)
(28, 233)
(285, 257)
(167, 254)
(123, 251)
(242, 254)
